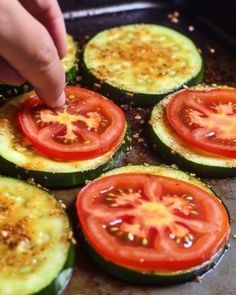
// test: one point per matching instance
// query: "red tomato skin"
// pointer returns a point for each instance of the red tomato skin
(111, 136)
(198, 139)
(139, 258)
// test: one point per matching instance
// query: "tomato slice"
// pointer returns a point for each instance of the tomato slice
(205, 119)
(148, 222)
(89, 125)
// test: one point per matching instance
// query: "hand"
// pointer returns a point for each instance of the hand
(32, 41)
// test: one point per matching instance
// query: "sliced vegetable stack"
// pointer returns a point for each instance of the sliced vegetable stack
(61, 147)
(196, 129)
(69, 63)
(141, 63)
(152, 225)
(36, 252)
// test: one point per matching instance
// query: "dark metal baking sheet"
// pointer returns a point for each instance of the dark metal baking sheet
(220, 68)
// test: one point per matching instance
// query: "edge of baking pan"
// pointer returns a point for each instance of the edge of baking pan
(114, 8)
(106, 7)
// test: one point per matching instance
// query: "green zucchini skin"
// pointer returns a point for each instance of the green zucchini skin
(9, 91)
(60, 282)
(124, 97)
(70, 75)
(169, 156)
(42, 169)
(114, 61)
(42, 258)
(172, 150)
(140, 278)
(62, 180)
(137, 277)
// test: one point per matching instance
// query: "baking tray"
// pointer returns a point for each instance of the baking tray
(220, 68)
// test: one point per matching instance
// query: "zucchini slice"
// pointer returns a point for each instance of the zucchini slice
(172, 149)
(70, 60)
(146, 224)
(37, 255)
(19, 159)
(69, 63)
(141, 63)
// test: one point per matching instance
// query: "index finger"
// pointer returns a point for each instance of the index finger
(27, 45)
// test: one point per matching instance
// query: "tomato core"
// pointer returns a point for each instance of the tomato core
(152, 223)
(88, 126)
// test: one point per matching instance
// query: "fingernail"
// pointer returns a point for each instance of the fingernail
(60, 101)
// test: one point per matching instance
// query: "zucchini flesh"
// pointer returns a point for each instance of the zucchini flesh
(70, 59)
(63, 277)
(174, 150)
(69, 63)
(141, 63)
(18, 158)
(35, 243)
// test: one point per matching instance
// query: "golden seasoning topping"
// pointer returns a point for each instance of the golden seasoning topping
(31, 222)
(69, 59)
(174, 17)
(142, 58)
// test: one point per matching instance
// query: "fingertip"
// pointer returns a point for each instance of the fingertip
(53, 102)
(59, 101)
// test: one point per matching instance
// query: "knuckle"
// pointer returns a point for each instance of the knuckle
(45, 57)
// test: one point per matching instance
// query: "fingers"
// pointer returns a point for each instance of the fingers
(9, 75)
(26, 44)
(49, 14)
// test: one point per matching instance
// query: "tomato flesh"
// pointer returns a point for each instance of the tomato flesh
(205, 119)
(151, 223)
(88, 126)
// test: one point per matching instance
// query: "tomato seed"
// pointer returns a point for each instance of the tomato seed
(144, 242)
(190, 237)
(130, 236)
(172, 236)
(188, 244)
(114, 229)
(178, 240)
(186, 239)
(111, 195)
